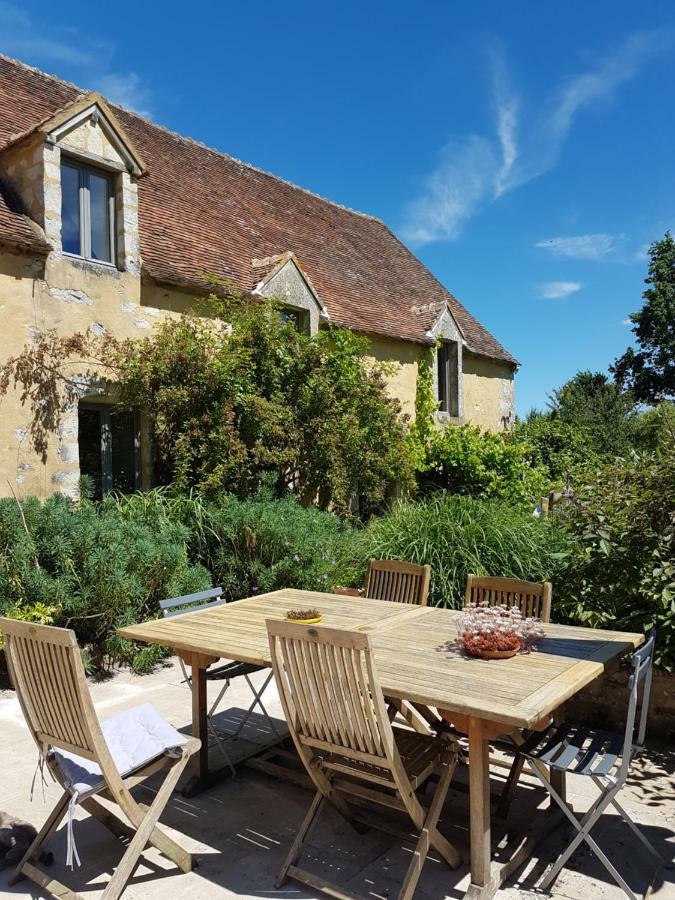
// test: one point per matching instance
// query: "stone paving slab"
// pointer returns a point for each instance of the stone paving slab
(242, 828)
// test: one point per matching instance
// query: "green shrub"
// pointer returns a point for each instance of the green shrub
(92, 567)
(621, 573)
(559, 448)
(467, 460)
(459, 535)
(258, 545)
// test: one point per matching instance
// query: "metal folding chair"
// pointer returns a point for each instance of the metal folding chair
(602, 756)
(226, 673)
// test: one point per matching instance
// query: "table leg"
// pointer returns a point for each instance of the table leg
(200, 761)
(201, 777)
(479, 804)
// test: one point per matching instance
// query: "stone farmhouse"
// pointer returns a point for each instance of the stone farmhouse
(109, 222)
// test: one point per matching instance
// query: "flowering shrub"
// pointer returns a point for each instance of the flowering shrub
(484, 628)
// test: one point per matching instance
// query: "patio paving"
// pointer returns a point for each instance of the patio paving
(241, 829)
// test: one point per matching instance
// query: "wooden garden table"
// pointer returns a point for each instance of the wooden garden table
(417, 660)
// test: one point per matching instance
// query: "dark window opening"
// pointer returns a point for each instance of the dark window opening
(109, 443)
(448, 378)
(87, 212)
(298, 318)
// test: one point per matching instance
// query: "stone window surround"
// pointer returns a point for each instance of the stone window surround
(125, 200)
(446, 329)
(289, 284)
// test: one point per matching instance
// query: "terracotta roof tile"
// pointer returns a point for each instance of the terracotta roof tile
(202, 211)
(20, 231)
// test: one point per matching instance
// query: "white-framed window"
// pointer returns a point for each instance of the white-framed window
(87, 211)
(447, 357)
(110, 448)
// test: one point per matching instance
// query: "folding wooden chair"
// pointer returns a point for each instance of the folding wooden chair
(224, 673)
(602, 756)
(400, 582)
(533, 599)
(91, 759)
(336, 715)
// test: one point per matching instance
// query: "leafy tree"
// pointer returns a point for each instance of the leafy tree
(599, 408)
(620, 569)
(236, 393)
(560, 448)
(650, 370)
(466, 460)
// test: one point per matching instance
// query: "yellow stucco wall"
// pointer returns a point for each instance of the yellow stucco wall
(488, 392)
(68, 297)
(487, 385)
(403, 359)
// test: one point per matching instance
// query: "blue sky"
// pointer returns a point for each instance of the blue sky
(523, 151)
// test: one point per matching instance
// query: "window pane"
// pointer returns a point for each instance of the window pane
(70, 209)
(123, 439)
(99, 194)
(89, 439)
(442, 355)
(453, 378)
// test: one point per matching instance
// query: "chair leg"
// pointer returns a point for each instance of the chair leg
(431, 836)
(143, 833)
(634, 828)
(303, 833)
(221, 746)
(47, 829)
(512, 780)
(257, 701)
(583, 828)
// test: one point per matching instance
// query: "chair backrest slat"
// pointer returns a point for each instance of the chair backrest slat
(46, 670)
(640, 680)
(533, 598)
(329, 689)
(400, 582)
(190, 600)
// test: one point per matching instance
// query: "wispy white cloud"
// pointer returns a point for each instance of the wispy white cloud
(127, 90)
(90, 58)
(581, 246)
(555, 290)
(626, 322)
(476, 170)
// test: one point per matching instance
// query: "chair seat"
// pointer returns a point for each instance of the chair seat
(420, 754)
(575, 749)
(134, 737)
(232, 670)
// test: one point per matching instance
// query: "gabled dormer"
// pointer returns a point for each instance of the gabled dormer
(449, 338)
(283, 277)
(76, 174)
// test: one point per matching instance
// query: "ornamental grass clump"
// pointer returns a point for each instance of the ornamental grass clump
(487, 629)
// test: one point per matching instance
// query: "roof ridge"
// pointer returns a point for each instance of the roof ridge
(193, 141)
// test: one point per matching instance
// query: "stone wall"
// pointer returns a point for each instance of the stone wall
(604, 703)
(67, 296)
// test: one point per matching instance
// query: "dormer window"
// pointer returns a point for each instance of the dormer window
(448, 377)
(297, 318)
(87, 212)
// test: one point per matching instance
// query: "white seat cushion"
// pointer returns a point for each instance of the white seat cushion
(134, 737)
